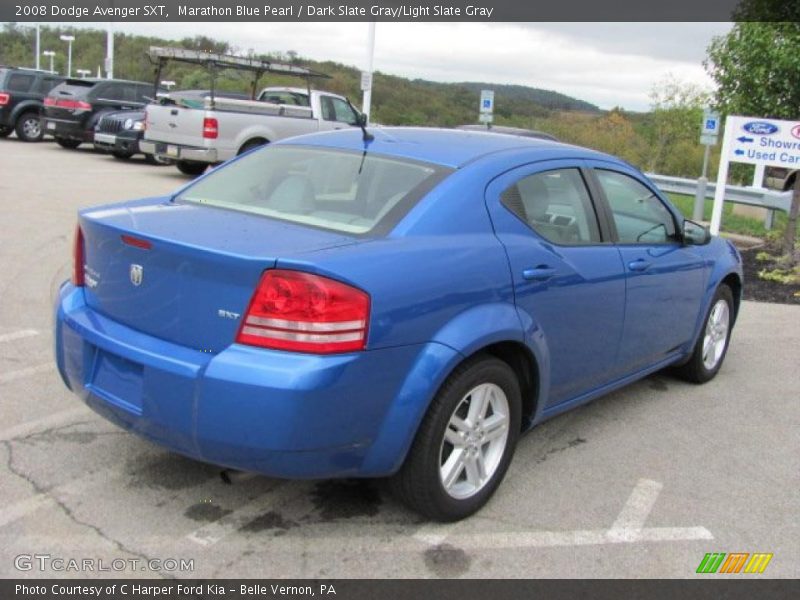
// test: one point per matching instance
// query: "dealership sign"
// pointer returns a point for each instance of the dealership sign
(765, 142)
(755, 141)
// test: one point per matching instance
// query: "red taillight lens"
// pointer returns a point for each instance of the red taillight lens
(4, 98)
(297, 311)
(210, 128)
(68, 104)
(78, 258)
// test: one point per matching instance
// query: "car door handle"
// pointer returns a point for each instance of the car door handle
(540, 273)
(638, 265)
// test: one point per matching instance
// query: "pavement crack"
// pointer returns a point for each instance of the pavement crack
(70, 514)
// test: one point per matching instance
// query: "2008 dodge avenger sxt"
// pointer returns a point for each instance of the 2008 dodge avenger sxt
(405, 306)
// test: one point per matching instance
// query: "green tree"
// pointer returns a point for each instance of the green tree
(757, 70)
(674, 122)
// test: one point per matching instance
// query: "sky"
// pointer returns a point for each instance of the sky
(607, 64)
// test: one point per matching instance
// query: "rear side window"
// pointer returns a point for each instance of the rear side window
(639, 215)
(74, 88)
(556, 205)
(344, 191)
(336, 109)
(20, 82)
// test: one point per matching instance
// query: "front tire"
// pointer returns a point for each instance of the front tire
(712, 345)
(465, 443)
(191, 168)
(29, 127)
(122, 155)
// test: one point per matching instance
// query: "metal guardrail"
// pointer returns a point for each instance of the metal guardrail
(770, 199)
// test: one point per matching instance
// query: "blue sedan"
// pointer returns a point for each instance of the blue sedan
(399, 307)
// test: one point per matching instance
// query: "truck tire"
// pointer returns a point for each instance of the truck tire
(122, 155)
(5, 131)
(68, 144)
(29, 127)
(191, 168)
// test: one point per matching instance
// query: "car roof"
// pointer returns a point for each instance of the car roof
(509, 130)
(446, 147)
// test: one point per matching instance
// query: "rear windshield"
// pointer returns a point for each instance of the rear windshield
(343, 191)
(74, 87)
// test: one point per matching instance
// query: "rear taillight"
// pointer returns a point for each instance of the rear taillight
(4, 98)
(68, 104)
(210, 128)
(301, 312)
(78, 258)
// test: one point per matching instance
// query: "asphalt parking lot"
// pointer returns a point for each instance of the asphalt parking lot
(642, 483)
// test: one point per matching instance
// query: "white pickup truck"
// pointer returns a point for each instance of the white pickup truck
(196, 132)
(197, 129)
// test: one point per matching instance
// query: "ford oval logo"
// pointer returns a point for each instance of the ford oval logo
(796, 131)
(760, 128)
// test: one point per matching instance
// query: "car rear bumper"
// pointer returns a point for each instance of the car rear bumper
(278, 413)
(179, 152)
(71, 130)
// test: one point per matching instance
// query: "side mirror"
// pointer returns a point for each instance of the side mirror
(695, 234)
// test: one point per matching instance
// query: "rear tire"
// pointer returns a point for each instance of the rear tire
(250, 145)
(465, 443)
(191, 168)
(67, 143)
(712, 345)
(29, 127)
(122, 155)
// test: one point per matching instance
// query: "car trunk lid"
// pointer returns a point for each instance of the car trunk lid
(183, 272)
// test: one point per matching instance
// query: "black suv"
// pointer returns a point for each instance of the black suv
(21, 95)
(72, 109)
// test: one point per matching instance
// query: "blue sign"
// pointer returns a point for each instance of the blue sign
(760, 128)
(487, 103)
(711, 124)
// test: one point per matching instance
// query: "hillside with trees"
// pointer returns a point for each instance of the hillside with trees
(664, 140)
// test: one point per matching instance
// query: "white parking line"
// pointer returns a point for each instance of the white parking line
(627, 528)
(26, 372)
(214, 532)
(60, 418)
(18, 335)
(631, 519)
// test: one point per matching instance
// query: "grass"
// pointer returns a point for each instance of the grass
(731, 222)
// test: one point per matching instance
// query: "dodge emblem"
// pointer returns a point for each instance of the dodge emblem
(137, 273)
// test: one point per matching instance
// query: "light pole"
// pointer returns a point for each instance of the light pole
(366, 76)
(51, 54)
(84, 73)
(38, 46)
(69, 39)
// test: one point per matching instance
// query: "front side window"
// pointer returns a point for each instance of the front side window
(556, 205)
(639, 215)
(348, 192)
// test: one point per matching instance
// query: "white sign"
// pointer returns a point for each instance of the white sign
(707, 139)
(486, 117)
(755, 141)
(764, 142)
(487, 102)
(366, 81)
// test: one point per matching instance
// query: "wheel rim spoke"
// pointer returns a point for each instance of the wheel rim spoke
(452, 469)
(477, 405)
